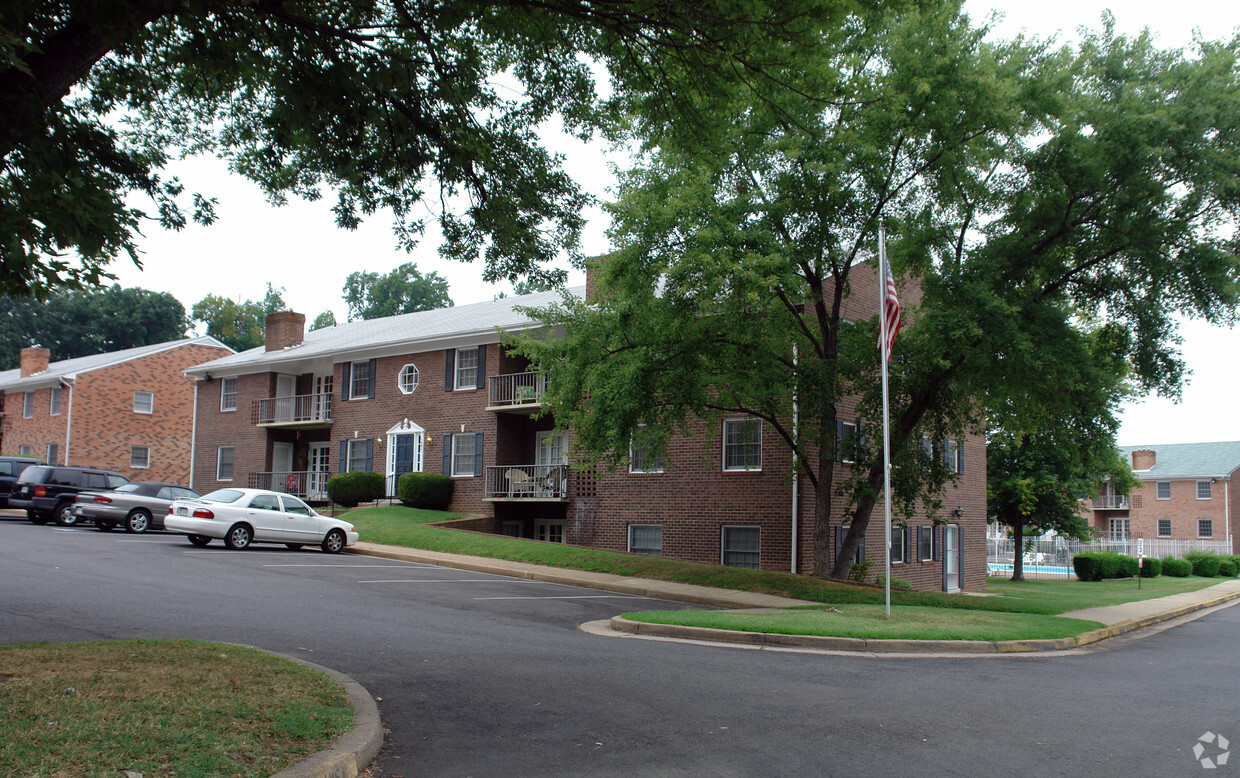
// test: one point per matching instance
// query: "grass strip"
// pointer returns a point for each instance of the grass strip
(161, 707)
(868, 621)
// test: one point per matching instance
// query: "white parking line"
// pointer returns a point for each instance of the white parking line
(574, 597)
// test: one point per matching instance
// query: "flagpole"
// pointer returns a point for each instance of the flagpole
(883, 356)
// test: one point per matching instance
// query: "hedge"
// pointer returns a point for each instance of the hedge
(1101, 565)
(1227, 568)
(351, 489)
(1177, 568)
(431, 491)
(1151, 568)
(1204, 563)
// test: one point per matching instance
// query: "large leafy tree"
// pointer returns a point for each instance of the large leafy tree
(403, 290)
(239, 324)
(428, 109)
(1023, 186)
(83, 323)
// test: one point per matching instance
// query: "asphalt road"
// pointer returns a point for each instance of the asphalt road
(485, 676)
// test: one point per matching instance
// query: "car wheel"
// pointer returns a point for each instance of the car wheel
(334, 542)
(294, 546)
(199, 540)
(65, 516)
(238, 537)
(104, 526)
(36, 517)
(138, 521)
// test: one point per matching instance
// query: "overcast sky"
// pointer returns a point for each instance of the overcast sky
(298, 247)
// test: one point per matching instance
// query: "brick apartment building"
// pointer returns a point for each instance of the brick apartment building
(129, 411)
(1187, 493)
(434, 391)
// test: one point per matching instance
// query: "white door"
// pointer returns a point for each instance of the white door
(319, 471)
(951, 558)
(321, 407)
(286, 403)
(282, 479)
(550, 472)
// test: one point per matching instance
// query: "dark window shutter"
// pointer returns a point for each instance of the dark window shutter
(477, 453)
(960, 557)
(860, 441)
(370, 451)
(343, 465)
(861, 550)
(839, 541)
(447, 453)
(909, 537)
(839, 440)
(482, 366)
(370, 388)
(449, 369)
(960, 457)
(346, 378)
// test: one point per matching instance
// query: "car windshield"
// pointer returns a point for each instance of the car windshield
(127, 488)
(31, 475)
(223, 495)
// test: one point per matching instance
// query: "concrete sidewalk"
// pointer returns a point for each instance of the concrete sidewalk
(1119, 619)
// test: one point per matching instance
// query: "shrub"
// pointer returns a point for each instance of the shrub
(860, 570)
(1128, 566)
(1177, 568)
(896, 583)
(1204, 563)
(1226, 568)
(350, 489)
(425, 490)
(1101, 565)
(1151, 568)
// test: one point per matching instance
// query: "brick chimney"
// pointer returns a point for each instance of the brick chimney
(1143, 459)
(34, 360)
(285, 329)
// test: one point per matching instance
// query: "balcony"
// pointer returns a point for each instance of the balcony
(1110, 502)
(516, 392)
(304, 411)
(527, 483)
(310, 486)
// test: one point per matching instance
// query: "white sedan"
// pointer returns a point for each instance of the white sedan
(244, 516)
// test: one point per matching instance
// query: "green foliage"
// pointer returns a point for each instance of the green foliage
(1151, 567)
(1227, 568)
(432, 113)
(1102, 565)
(1178, 568)
(352, 489)
(430, 491)
(404, 290)
(323, 320)
(239, 325)
(1205, 563)
(896, 583)
(84, 323)
(859, 571)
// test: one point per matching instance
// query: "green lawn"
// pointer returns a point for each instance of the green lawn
(1062, 596)
(161, 707)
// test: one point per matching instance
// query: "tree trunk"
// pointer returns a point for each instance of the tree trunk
(823, 494)
(1018, 556)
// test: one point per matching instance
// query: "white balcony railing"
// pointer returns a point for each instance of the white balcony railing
(516, 389)
(308, 485)
(1113, 502)
(527, 482)
(297, 409)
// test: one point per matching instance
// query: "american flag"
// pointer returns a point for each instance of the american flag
(891, 307)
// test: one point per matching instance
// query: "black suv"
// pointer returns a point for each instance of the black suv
(48, 492)
(10, 468)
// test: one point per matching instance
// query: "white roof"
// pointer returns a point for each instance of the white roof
(458, 326)
(68, 369)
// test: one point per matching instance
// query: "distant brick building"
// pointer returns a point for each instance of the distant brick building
(434, 391)
(1187, 493)
(130, 411)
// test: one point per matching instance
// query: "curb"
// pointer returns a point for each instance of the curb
(875, 646)
(353, 750)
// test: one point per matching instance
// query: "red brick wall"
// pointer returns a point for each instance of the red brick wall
(1183, 509)
(39, 430)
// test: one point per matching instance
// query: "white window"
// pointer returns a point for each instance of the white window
(742, 444)
(846, 442)
(359, 380)
(28, 407)
(1164, 528)
(951, 456)
(1205, 528)
(53, 452)
(646, 539)
(925, 544)
(358, 455)
(140, 456)
(1118, 529)
(742, 547)
(26, 450)
(407, 379)
(1203, 490)
(228, 394)
(463, 454)
(898, 551)
(1162, 490)
(224, 463)
(549, 530)
(466, 368)
(640, 458)
(56, 391)
(143, 402)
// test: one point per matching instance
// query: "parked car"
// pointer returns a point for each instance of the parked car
(138, 506)
(10, 468)
(48, 492)
(244, 516)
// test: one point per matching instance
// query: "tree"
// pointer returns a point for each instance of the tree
(389, 105)
(240, 325)
(324, 319)
(1025, 187)
(83, 323)
(403, 290)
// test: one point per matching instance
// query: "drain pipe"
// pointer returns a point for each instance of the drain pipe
(193, 435)
(796, 472)
(64, 383)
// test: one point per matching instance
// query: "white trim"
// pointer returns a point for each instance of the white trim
(724, 444)
(400, 378)
(136, 409)
(233, 464)
(133, 449)
(723, 548)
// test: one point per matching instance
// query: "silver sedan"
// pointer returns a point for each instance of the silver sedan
(138, 506)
